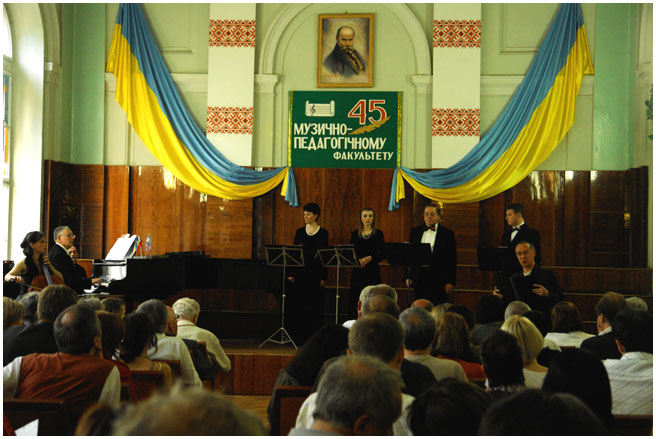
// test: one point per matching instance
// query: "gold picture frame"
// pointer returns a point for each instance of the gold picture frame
(345, 55)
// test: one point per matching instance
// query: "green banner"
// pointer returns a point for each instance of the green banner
(344, 129)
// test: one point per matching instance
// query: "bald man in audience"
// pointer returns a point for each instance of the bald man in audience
(377, 335)
(77, 373)
(515, 308)
(372, 291)
(424, 304)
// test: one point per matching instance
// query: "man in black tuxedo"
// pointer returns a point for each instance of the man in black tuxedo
(61, 260)
(534, 286)
(436, 282)
(516, 232)
(604, 344)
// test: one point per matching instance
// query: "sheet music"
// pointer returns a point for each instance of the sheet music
(319, 110)
(29, 429)
(122, 249)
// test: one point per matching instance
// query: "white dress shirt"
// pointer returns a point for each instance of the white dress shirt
(573, 338)
(173, 348)
(632, 383)
(429, 237)
(188, 330)
(515, 231)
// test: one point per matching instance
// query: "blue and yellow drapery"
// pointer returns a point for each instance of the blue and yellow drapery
(531, 126)
(154, 108)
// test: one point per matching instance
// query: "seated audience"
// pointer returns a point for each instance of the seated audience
(583, 375)
(604, 343)
(91, 302)
(98, 420)
(566, 326)
(186, 312)
(536, 413)
(453, 343)
(503, 365)
(437, 312)
(76, 374)
(515, 308)
(631, 377)
(29, 302)
(543, 323)
(449, 408)
(369, 292)
(423, 303)
(328, 342)
(420, 331)
(114, 305)
(466, 313)
(168, 348)
(138, 340)
(358, 395)
(489, 317)
(637, 303)
(187, 412)
(12, 313)
(38, 338)
(530, 343)
(112, 330)
(380, 336)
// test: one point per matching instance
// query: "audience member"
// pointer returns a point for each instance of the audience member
(328, 342)
(423, 303)
(631, 377)
(187, 412)
(453, 343)
(637, 303)
(112, 332)
(380, 336)
(536, 413)
(582, 374)
(168, 348)
(138, 340)
(466, 313)
(29, 302)
(369, 292)
(76, 374)
(515, 308)
(358, 395)
(98, 420)
(38, 338)
(420, 331)
(604, 343)
(12, 313)
(566, 326)
(489, 317)
(530, 343)
(115, 305)
(449, 408)
(543, 323)
(502, 361)
(91, 302)
(186, 312)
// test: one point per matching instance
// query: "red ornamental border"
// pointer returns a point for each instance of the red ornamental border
(456, 122)
(232, 33)
(457, 33)
(230, 120)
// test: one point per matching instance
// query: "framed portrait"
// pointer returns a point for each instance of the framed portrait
(346, 50)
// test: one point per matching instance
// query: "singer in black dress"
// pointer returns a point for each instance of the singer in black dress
(305, 303)
(369, 243)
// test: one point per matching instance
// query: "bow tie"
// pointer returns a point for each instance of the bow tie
(516, 228)
(429, 228)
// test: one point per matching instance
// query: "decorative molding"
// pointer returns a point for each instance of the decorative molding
(230, 120)
(52, 71)
(52, 33)
(456, 122)
(423, 84)
(646, 37)
(185, 82)
(266, 84)
(457, 33)
(232, 33)
(492, 85)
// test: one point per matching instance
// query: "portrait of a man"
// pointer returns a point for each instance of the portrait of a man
(345, 50)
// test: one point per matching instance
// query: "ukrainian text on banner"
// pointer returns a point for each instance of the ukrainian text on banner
(347, 129)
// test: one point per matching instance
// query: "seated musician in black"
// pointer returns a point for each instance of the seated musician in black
(533, 285)
(62, 261)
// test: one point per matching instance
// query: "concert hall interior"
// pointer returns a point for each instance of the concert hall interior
(99, 140)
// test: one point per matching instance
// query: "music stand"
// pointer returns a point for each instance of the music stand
(338, 256)
(283, 256)
(497, 259)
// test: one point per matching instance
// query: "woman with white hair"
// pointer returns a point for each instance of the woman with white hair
(186, 312)
(530, 342)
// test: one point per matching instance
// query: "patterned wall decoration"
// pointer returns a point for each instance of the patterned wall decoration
(230, 120)
(456, 122)
(232, 33)
(457, 33)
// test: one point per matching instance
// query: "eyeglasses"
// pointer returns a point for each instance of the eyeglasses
(70, 235)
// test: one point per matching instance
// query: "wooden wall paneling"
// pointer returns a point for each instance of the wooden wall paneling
(342, 200)
(637, 201)
(192, 218)
(116, 208)
(463, 220)
(48, 197)
(310, 188)
(155, 207)
(609, 239)
(576, 218)
(376, 185)
(263, 222)
(491, 221)
(228, 229)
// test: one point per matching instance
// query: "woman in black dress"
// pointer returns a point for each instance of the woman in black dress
(35, 250)
(306, 301)
(369, 243)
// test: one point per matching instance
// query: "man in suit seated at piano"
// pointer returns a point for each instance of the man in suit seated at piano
(537, 287)
(61, 260)
(169, 348)
(186, 312)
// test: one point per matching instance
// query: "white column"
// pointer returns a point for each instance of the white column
(230, 76)
(456, 81)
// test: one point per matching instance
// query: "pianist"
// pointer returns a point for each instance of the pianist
(61, 260)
